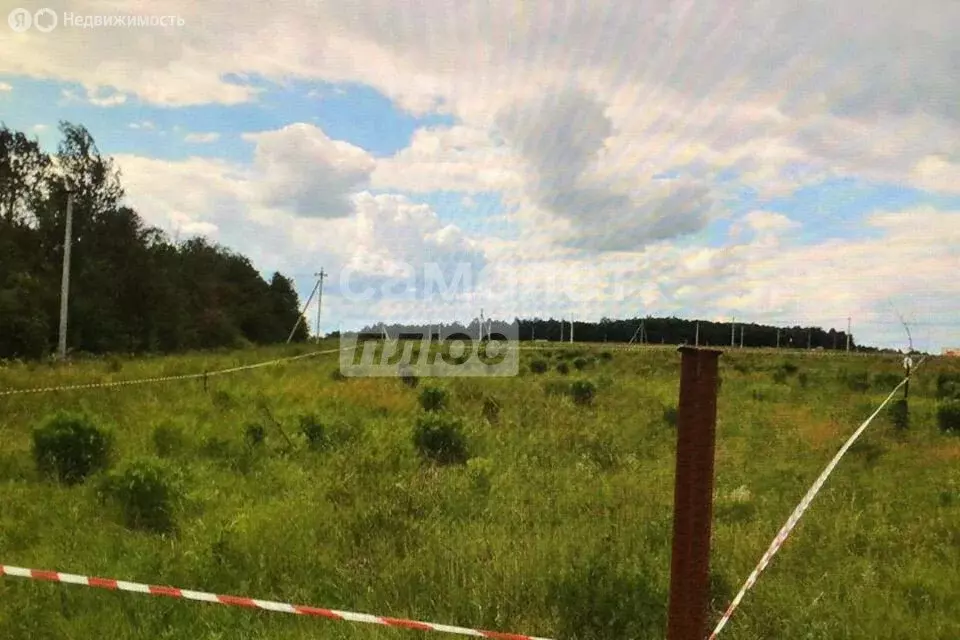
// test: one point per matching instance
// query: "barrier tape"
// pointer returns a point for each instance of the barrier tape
(781, 536)
(251, 603)
(187, 376)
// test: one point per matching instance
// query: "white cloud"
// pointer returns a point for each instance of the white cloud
(201, 138)
(5, 87)
(39, 128)
(143, 124)
(307, 172)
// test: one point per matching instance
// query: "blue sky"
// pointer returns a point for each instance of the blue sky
(570, 148)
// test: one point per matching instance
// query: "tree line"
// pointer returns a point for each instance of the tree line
(132, 288)
(648, 330)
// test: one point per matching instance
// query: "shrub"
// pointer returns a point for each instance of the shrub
(900, 414)
(583, 392)
(789, 368)
(563, 367)
(433, 399)
(114, 364)
(440, 438)
(803, 379)
(314, 431)
(146, 493)
(580, 363)
(948, 416)
(606, 355)
(168, 439)
(538, 366)
(948, 386)
(780, 376)
(337, 376)
(72, 447)
(255, 434)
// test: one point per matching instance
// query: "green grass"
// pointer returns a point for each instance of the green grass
(558, 526)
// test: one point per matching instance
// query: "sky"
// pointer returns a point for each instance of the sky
(785, 163)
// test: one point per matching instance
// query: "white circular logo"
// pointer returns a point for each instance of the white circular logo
(19, 20)
(45, 20)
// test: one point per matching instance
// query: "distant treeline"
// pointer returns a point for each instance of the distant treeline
(132, 289)
(649, 330)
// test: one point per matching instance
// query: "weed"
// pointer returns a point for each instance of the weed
(440, 438)
(670, 416)
(606, 356)
(337, 376)
(948, 386)
(580, 364)
(71, 447)
(538, 366)
(563, 368)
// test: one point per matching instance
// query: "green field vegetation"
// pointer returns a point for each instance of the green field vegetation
(291, 484)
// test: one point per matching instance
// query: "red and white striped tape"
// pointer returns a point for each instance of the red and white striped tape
(781, 536)
(251, 603)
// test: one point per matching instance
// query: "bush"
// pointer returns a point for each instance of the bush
(583, 392)
(606, 355)
(563, 367)
(948, 386)
(780, 376)
(538, 366)
(789, 368)
(803, 379)
(433, 399)
(255, 434)
(337, 376)
(580, 364)
(147, 495)
(72, 447)
(948, 416)
(168, 440)
(314, 431)
(440, 438)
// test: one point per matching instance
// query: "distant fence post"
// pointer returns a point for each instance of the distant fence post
(693, 495)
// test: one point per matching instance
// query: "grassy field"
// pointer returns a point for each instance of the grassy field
(559, 525)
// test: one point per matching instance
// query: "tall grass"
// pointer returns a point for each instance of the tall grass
(559, 525)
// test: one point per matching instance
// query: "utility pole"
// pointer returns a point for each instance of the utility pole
(300, 317)
(733, 332)
(480, 326)
(741, 336)
(320, 275)
(809, 338)
(778, 337)
(65, 279)
(696, 340)
(571, 329)
(561, 329)
(848, 333)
